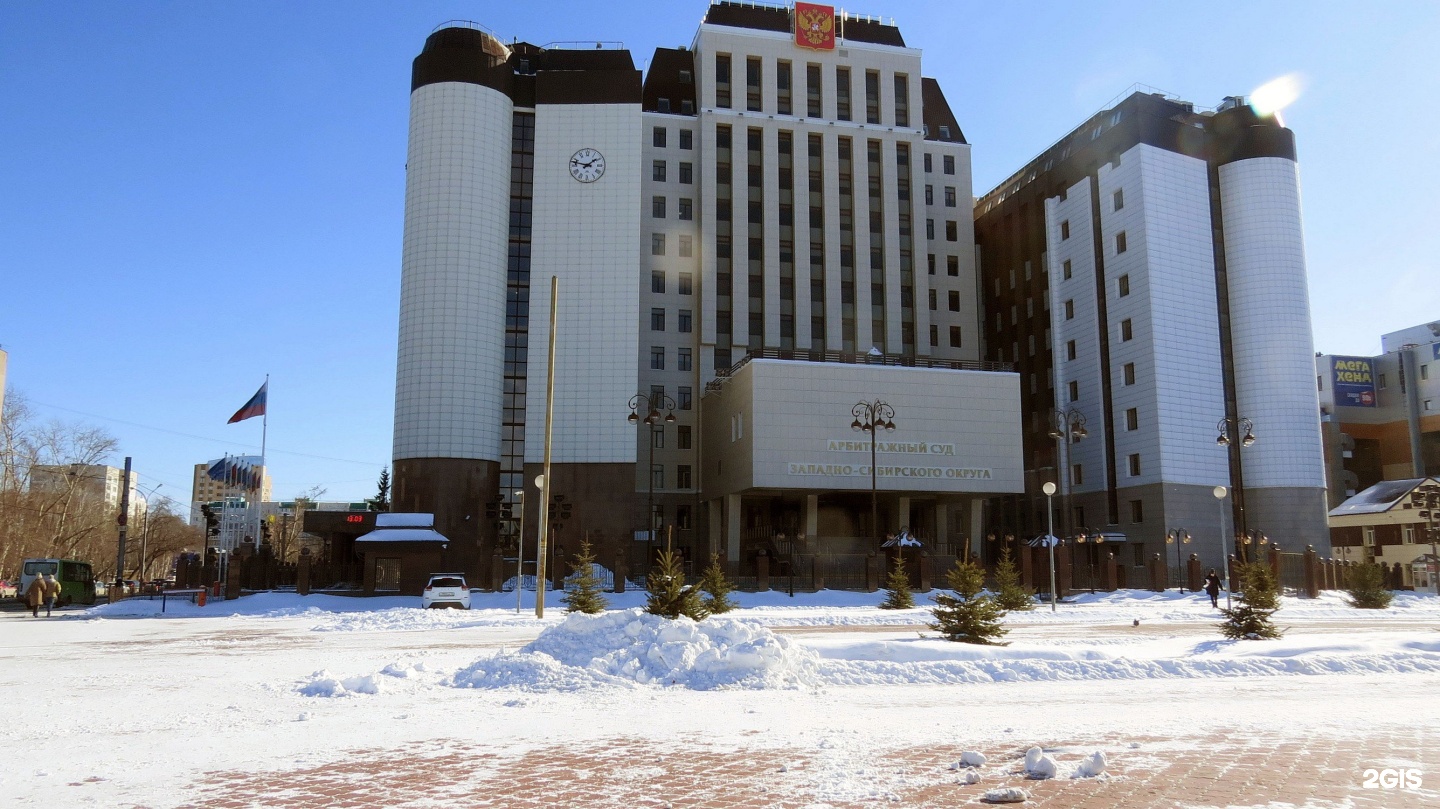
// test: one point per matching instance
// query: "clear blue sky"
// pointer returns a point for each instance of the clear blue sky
(193, 195)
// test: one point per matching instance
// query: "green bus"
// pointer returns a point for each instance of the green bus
(77, 580)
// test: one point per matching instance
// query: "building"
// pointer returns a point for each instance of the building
(89, 483)
(738, 244)
(1381, 415)
(1146, 275)
(233, 504)
(1389, 523)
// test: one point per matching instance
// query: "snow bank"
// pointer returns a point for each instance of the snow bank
(631, 646)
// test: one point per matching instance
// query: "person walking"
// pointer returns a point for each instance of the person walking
(1212, 588)
(34, 594)
(51, 593)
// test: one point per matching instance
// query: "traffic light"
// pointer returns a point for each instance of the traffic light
(212, 522)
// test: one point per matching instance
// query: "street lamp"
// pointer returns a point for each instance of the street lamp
(1069, 428)
(1248, 538)
(1230, 431)
(1049, 489)
(1178, 537)
(652, 404)
(1095, 538)
(1220, 492)
(869, 418)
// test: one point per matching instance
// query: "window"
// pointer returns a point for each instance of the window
(952, 230)
(1070, 350)
(930, 262)
(682, 517)
(952, 266)
(1077, 478)
(657, 171)
(682, 476)
(1126, 331)
(657, 319)
(1137, 514)
(752, 84)
(902, 100)
(1070, 309)
(954, 300)
(683, 321)
(687, 173)
(1134, 463)
(954, 336)
(782, 88)
(663, 105)
(842, 93)
(657, 358)
(1074, 391)
(934, 295)
(722, 80)
(949, 196)
(1065, 270)
(1381, 383)
(657, 207)
(683, 398)
(934, 335)
(687, 139)
(1120, 202)
(657, 244)
(1129, 373)
(872, 97)
(1120, 242)
(685, 77)
(1124, 284)
(657, 282)
(1426, 405)
(1425, 371)
(813, 91)
(930, 229)
(1132, 419)
(1065, 232)
(949, 164)
(682, 359)
(685, 210)
(929, 194)
(657, 479)
(657, 137)
(686, 285)
(928, 167)
(682, 437)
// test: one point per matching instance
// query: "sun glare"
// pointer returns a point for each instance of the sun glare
(1276, 94)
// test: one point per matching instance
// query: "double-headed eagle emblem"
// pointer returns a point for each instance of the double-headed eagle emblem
(814, 24)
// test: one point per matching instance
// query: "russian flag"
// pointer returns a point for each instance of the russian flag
(254, 407)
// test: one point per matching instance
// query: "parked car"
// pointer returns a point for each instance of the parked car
(7, 589)
(446, 590)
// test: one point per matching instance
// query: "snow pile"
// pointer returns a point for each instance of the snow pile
(325, 684)
(631, 646)
(1091, 766)
(1038, 765)
(1007, 795)
(972, 758)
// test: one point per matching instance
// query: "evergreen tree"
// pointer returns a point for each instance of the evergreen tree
(583, 592)
(1009, 593)
(1367, 588)
(968, 616)
(670, 596)
(714, 583)
(898, 595)
(382, 495)
(1259, 599)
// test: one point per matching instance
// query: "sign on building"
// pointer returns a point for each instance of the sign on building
(1353, 379)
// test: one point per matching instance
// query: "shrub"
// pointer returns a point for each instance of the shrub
(897, 586)
(968, 616)
(1367, 588)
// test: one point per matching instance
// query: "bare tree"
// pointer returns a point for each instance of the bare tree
(286, 537)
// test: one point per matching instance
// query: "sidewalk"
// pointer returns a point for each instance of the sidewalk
(1160, 773)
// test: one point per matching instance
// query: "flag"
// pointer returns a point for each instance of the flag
(254, 407)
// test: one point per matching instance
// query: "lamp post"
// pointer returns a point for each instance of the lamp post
(870, 417)
(1220, 492)
(1095, 539)
(1229, 432)
(520, 552)
(1049, 489)
(1069, 428)
(145, 532)
(1178, 537)
(1426, 498)
(652, 404)
(1248, 538)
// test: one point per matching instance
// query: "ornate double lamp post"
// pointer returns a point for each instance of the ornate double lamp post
(1069, 428)
(1232, 431)
(1094, 537)
(1178, 537)
(869, 418)
(652, 404)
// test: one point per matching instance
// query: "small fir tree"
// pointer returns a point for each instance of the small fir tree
(583, 591)
(970, 615)
(717, 587)
(898, 595)
(1009, 593)
(670, 596)
(1259, 599)
(382, 494)
(1367, 587)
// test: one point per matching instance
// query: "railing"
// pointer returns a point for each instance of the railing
(853, 358)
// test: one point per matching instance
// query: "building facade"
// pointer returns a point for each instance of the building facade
(1146, 274)
(763, 213)
(234, 505)
(92, 483)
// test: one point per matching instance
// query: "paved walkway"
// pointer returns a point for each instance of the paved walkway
(1271, 772)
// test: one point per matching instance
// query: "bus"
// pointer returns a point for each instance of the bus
(77, 580)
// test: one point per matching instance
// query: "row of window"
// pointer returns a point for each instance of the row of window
(682, 359)
(683, 436)
(660, 135)
(684, 209)
(685, 174)
(950, 195)
(785, 100)
(686, 285)
(1132, 466)
(683, 320)
(684, 479)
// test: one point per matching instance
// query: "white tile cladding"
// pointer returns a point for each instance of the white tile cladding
(786, 425)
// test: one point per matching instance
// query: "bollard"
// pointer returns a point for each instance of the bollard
(762, 571)
(200, 598)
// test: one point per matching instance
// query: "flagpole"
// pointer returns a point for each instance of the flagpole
(260, 484)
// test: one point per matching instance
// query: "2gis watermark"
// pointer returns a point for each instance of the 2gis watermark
(1390, 778)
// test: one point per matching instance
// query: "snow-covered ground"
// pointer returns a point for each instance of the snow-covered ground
(146, 703)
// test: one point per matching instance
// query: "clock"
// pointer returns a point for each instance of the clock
(587, 165)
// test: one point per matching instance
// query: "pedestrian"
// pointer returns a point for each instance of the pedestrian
(1212, 588)
(51, 593)
(34, 594)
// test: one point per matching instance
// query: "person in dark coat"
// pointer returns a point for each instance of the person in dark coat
(35, 595)
(1212, 588)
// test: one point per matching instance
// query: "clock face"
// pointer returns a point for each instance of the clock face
(587, 165)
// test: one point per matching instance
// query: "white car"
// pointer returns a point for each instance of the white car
(446, 590)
